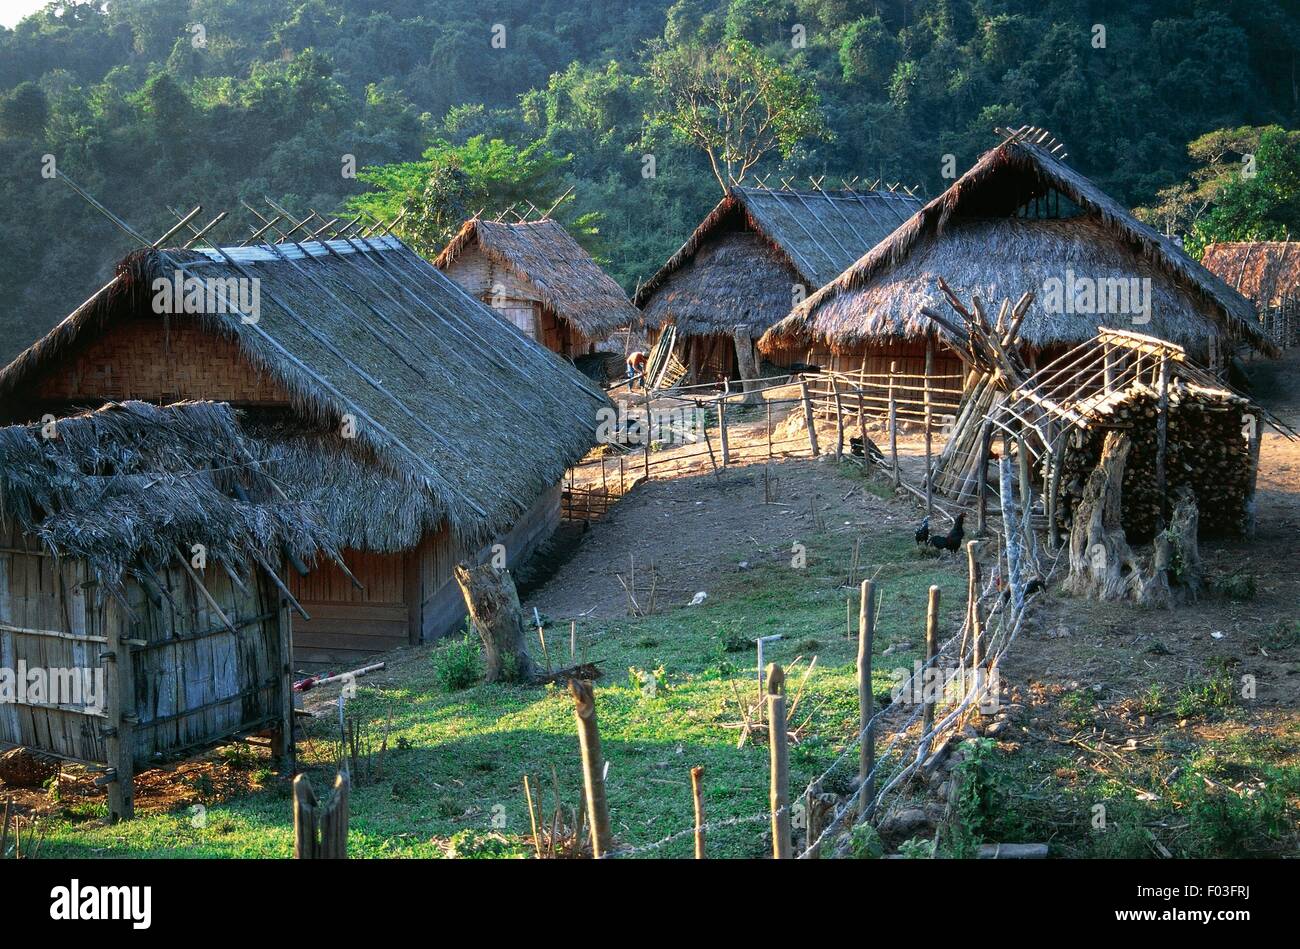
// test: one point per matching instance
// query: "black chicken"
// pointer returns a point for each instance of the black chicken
(873, 450)
(923, 532)
(951, 540)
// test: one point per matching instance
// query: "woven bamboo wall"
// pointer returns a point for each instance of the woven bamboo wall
(194, 680)
(159, 361)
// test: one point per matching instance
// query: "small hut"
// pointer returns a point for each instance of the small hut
(383, 391)
(538, 278)
(141, 611)
(759, 252)
(1268, 274)
(1019, 219)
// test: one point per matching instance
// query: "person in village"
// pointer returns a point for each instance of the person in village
(636, 363)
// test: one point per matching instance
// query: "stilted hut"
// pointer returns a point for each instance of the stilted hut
(141, 612)
(1268, 274)
(759, 252)
(1020, 219)
(386, 392)
(538, 278)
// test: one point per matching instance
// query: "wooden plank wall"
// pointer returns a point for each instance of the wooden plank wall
(409, 597)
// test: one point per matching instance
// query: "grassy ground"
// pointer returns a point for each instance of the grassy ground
(454, 769)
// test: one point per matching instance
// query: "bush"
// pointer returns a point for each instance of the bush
(458, 665)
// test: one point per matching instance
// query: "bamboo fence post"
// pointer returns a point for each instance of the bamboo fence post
(1162, 438)
(780, 763)
(320, 832)
(862, 402)
(593, 765)
(697, 792)
(769, 428)
(866, 699)
(929, 434)
(974, 623)
(839, 420)
(982, 479)
(931, 650)
(893, 425)
(646, 431)
(722, 431)
(809, 418)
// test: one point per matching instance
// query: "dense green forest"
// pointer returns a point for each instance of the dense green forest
(157, 103)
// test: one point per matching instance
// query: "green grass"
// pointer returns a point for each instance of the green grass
(463, 753)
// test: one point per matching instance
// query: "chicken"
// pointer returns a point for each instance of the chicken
(923, 532)
(873, 450)
(951, 540)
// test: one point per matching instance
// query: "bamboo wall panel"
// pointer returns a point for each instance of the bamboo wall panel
(157, 360)
(195, 681)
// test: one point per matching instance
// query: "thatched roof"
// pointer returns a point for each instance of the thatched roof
(478, 421)
(1267, 272)
(565, 276)
(132, 486)
(970, 235)
(742, 263)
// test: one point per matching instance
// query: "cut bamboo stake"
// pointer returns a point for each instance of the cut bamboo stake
(839, 420)
(593, 765)
(697, 793)
(866, 700)
(931, 650)
(532, 817)
(974, 622)
(780, 763)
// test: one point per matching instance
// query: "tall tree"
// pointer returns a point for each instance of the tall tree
(733, 102)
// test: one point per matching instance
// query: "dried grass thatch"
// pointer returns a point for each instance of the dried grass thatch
(478, 422)
(971, 235)
(1267, 272)
(721, 277)
(135, 485)
(566, 277)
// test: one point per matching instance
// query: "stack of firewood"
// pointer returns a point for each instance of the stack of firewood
(1206, 451)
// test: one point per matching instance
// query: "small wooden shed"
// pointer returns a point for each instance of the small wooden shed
(541, 281)
(141, 615)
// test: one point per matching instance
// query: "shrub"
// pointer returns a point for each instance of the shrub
(458, 664)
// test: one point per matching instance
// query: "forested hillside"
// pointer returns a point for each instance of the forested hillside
(157, 103)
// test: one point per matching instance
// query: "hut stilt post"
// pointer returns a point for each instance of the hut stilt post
(893, 426)
(929, 433)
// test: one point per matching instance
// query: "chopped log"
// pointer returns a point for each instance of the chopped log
(493, 605)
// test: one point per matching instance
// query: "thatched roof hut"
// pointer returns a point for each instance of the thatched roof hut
(139, 550)
(1268, 274)
(1021, 219)
(127, 486)
(422, 431)
(758, 251)
(537, 276)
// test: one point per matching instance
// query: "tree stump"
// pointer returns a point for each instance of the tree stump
(747, 366)
(1101, 563)
(493, 605)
